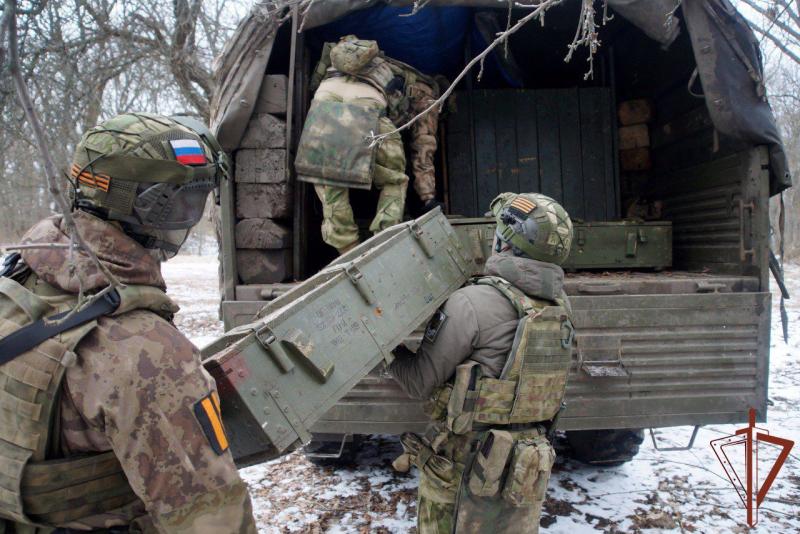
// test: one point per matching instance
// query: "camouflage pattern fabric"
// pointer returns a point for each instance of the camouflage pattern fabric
(138, 135)
(423, 138)
(334, 148)
(124, 257)
(133, 391)
(447, 501)
(535, 225)
(401, 103)
(350, 56)
(339, 229)
(125, 133)
(467, 482)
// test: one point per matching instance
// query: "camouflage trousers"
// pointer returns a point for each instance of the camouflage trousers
(482, 482)
(339, 228)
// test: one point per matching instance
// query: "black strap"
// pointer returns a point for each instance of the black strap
(148, 241)
(10, 263)
(31, 335)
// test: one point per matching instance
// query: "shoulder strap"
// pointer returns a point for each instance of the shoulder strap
(39, 331)
(10, 264)
(521, 302)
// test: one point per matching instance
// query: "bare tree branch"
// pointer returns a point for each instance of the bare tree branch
(51, 172)
(779, 43)
(6, 247)
(790, 10)
(586, 35)
(775, 19)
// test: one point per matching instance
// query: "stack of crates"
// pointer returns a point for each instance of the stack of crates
(263, 192)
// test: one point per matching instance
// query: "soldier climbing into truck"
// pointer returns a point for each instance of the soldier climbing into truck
(358, 92)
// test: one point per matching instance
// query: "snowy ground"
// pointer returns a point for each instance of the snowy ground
(656, 492)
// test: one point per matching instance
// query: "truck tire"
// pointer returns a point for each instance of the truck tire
(605, 447)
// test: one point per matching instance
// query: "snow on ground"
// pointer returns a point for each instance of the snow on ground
(192, 283)
(656, 492)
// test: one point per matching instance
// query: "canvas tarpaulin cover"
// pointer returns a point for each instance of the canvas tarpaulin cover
(431, 40)
(728, 61)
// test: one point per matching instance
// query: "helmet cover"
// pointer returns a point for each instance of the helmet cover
(534, 225)
(351, 54)
(151, 173)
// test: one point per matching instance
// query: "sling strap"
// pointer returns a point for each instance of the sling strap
(33, 334)
(10, 264)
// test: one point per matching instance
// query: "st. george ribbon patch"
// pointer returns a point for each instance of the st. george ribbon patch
(208, 415)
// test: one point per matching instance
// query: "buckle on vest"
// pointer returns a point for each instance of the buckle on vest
(507, 233)
(566, 341)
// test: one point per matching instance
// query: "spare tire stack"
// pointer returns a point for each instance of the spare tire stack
(263, 193)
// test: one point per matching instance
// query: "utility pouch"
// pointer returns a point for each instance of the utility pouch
(439, 475)
(490, 462)
(436, 409)
(461, 406)
(529, 472)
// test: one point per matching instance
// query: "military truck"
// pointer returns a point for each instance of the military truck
(666, 157)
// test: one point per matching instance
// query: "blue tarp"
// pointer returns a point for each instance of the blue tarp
(431, 40)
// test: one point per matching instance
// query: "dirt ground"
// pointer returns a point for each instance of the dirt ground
(656, 492)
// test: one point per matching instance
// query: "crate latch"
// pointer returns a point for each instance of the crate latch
(299, 345)
(632, 242)
(270, 343)
(419, 235)
(357, 278)
(745, 230)
(710, 287)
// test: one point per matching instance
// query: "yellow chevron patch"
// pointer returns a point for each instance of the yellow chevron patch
(523, 204)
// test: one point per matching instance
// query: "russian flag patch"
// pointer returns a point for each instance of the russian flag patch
(188, 152)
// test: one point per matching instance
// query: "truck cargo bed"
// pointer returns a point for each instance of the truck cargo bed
(670, 348)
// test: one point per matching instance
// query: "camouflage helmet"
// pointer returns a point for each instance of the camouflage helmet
(534, 225)
(351, 54)
(149, 172)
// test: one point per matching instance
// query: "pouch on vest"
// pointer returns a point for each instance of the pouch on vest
(540, 362)
(334, 146)
(436, 409)
(490, 462)
(529, 472)
(461, 405)
(439, 475)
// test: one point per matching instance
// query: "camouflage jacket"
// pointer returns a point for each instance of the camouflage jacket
(134, 390)
(407, 93)
(480, 325)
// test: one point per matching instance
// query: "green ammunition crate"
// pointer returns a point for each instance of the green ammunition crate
(306, 349)
(597, 245)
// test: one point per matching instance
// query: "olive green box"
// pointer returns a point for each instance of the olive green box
(596, 245)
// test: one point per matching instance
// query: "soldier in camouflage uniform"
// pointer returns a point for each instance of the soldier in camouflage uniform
(360, 92)
(114, 424)
(494, 361)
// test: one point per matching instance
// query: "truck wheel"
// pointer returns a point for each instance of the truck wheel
(605, 447)
(333, 450)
